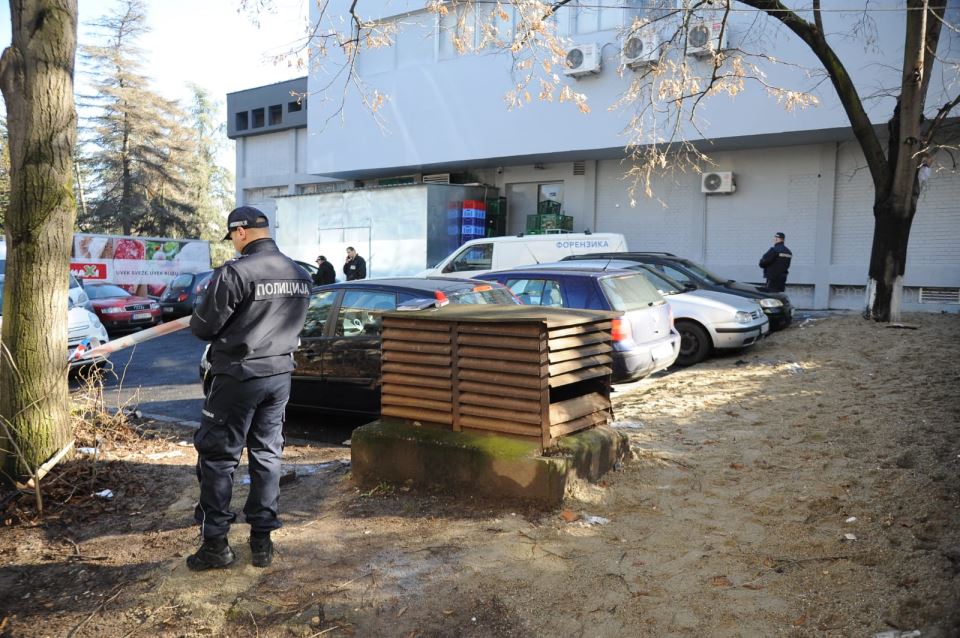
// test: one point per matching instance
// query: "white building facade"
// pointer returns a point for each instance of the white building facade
(798, 172)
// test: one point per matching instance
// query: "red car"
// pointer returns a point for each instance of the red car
(119, 310)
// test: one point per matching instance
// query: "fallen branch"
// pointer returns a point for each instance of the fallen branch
(94, 612)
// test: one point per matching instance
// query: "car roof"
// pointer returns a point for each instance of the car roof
(595, 272)
(629, 256)
(412, 284)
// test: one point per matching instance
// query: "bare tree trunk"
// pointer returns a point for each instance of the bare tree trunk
(36, 76)
(888, 259)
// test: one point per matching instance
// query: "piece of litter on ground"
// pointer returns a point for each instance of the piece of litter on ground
(156, 456)
(244, 480)
(87, 451)
(626, 425)
(794, 368)
(347, 442)
(183, 443)
(595, 520)
(104, 494)
(852, 519)
(896, 633)
(849, 537)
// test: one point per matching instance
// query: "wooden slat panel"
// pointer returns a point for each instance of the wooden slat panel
(511, 416)
(579, 375)
(417, 357)
(579, 340)
(416, 414)
(511, 435)
(440, 394)
(421, 336)
(413, 402)
(413, 346)
(531, 329)
(575, 408)
(414, 324)
(557, 356)
(504, 378)
(506, 403)
(470, 363)
(495, 425)
(531, 394)
(502, 354)
(416, 381)
(492, 341)
(586, 362)
(569, 331)
(576, 425)
(409, 368)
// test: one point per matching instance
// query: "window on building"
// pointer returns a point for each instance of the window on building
(257, 118)
(590, 16)
(242, 121)
(647, 10)
(458, 31)
(415, 38)
(276, 114)
(296, 105)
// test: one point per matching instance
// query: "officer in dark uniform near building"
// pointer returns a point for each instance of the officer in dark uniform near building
(251, 314)
(355, 267)
(776, 263)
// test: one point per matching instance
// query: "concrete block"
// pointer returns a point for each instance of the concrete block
(395, 450)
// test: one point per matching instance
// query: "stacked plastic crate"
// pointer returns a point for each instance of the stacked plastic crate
(473, 222)
(549, 219)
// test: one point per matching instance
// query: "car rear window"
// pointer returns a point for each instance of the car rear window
(629, 292)
(181, 282)
(482, 294)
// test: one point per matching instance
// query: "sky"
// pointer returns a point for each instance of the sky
(206, 42)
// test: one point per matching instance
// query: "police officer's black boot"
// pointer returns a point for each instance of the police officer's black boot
(261, 549)
(213, 554)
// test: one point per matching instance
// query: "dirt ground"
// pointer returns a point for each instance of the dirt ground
(807, 487)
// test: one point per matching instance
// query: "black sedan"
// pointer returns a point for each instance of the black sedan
(776, 305)
(179, 297)
(338, 361)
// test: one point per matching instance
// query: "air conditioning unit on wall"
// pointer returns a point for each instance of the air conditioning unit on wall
(717, 182)
(641, 49)
(703, 38)
(583, 59)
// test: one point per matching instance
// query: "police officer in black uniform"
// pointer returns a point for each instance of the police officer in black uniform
(251, 314)
(776, 263)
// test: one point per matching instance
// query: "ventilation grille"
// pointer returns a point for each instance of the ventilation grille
(579, 168)
(437, 178)
(940, 295)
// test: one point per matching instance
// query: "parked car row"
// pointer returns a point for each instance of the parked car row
(674, 312)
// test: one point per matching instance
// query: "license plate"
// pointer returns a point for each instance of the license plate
(662, 351)
(138, 316)
(765, 328)
(167, 310)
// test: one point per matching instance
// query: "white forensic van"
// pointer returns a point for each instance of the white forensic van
(483, 255)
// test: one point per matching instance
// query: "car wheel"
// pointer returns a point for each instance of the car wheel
(694, 343)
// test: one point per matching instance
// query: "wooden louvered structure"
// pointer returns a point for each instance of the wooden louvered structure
(533, 372)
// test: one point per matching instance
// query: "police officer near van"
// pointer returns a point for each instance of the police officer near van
(776, 263)
(251, 314)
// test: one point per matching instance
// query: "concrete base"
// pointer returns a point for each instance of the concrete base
(394, 450)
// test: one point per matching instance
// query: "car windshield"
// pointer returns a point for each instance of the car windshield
(106, 291)
(703, 273)
(629, 292)
(661, 282)
(483, 294)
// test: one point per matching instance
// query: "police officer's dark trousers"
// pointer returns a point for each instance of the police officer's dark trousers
(240, 414)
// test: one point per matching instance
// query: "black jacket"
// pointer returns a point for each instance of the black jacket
(356, 268)
(252, 312)
(325, 274)
(776, 261)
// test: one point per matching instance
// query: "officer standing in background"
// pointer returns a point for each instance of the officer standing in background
(251, 314)
(776, 263)
(355, 267)
(325, 272)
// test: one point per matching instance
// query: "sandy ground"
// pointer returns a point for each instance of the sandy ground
(806, 487)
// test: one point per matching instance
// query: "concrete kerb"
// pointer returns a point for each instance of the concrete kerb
(395, 451)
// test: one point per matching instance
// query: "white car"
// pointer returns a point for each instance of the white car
(706, 320)
(83, 327)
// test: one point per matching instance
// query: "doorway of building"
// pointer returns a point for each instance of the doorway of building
(524, 199)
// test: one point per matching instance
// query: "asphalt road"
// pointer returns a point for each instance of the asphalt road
(160, 378)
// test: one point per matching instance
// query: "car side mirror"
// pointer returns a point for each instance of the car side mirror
(689, 286)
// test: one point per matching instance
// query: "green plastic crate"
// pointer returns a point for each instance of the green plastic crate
(549, 207)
